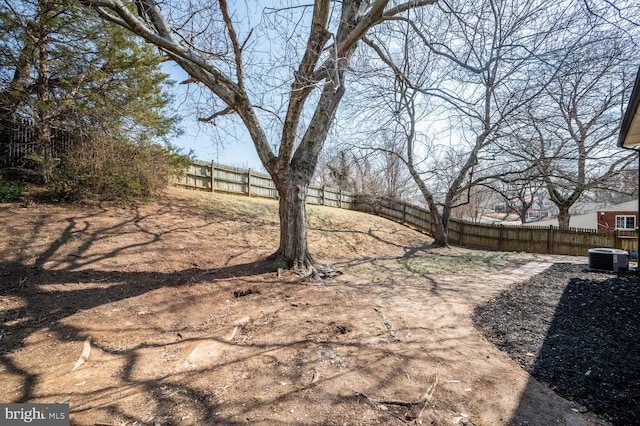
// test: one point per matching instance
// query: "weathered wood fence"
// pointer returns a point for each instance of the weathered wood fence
(530, 239)
(215, 177)
(546, 240)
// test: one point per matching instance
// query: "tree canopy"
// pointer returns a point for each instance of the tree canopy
(63, 69)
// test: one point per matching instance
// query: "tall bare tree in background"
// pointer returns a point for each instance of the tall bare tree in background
(463, 74)
(518, 187)
(314, 46)
(568, 134)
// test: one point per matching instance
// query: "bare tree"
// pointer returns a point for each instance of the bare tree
(316, 84)
(518, 189)
(471, 67)
(569, 134)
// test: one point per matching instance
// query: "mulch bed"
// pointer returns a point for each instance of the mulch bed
(576, 330)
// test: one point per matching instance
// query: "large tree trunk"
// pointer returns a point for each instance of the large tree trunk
(440, 229)
(563, 218)
(293, 251)
(439, 222)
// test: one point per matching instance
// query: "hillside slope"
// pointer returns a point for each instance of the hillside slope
(189, 325)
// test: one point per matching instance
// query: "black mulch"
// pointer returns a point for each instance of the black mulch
(576, 330)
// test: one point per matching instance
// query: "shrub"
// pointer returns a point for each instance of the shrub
(109, 169)
(10, 192)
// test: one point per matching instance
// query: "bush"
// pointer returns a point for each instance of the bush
(108, 169)
(10, 192)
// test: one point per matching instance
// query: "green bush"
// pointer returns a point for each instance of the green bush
(10, 192)
(108, 169)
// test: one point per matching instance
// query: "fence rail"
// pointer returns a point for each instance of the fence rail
(530, 239)
(546, 240)
(211, 177)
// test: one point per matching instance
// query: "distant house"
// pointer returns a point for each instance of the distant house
(622, 216)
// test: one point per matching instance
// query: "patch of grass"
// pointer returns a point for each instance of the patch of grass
(436, 263)
(10, 192)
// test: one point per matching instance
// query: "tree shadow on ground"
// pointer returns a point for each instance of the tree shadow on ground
(56, 271)
(45, 309)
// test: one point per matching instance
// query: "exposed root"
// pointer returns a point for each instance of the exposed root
(306, 267)
(422, 402)
(387, 324)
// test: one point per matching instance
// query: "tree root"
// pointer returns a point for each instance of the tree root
(387, 324)
(306, 267)
(423, 402)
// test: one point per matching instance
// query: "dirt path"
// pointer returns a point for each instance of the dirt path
(189, 326)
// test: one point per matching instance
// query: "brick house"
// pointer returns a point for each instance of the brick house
(620, 216)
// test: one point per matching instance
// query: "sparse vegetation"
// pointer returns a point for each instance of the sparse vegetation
(110, 169)
(10, 192)
(464, 261)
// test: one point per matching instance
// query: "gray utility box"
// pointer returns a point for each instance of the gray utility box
(608, 259)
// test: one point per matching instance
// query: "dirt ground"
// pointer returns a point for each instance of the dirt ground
(188, 324)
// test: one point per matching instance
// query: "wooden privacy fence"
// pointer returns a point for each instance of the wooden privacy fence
(214, 177)
(530, 239)
(546, 240)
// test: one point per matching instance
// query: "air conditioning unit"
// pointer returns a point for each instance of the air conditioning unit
(608, 259)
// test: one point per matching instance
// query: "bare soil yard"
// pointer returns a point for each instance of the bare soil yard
(190, 326)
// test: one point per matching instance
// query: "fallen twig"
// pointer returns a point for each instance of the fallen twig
(86, 351)
(399, 402)
(428, 395)
(387, 324)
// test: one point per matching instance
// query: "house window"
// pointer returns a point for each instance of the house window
(625, 222)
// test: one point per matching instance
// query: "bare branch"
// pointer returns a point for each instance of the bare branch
(212, 117)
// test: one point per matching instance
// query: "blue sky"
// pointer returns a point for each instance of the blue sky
(228, 146)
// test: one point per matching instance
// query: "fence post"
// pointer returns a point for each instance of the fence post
(550, 240)
(404, 212)
(616, 238)
(249, 182)
(340, 199)
(213, 179)
(323, 196)
(500, 237)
